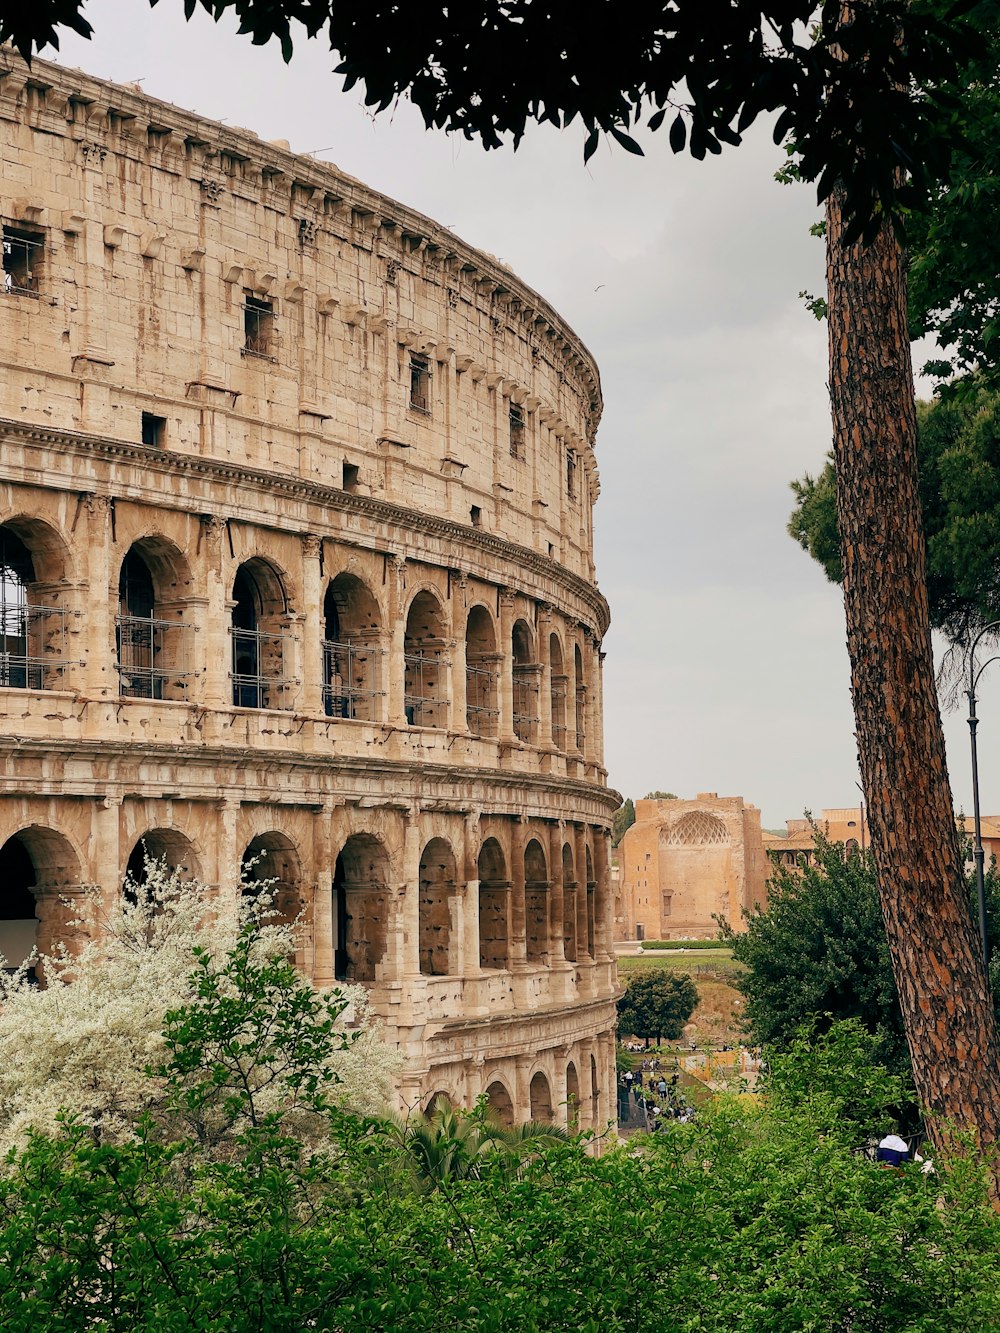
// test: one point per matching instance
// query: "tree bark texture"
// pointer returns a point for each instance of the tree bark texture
(937, 959)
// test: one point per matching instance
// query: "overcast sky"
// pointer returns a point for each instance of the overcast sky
(726, 668)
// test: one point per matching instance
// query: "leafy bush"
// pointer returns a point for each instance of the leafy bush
(683, 944)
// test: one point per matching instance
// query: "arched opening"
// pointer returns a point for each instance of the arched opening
(481, 663)
(558, 684)
(572, 1096)
(270, 865)
(352, 652)
(569, 904)
(536, 903)
(424, 689)
(591, 905)
(361, 908)
(165, 845)
(595, 1094)
(37, 867)
(32, 623)
(851, 848)
(437, 888)
(437, 1101)
(580, 699)
(501, 1106)
(151, 639)
(540, 1098)
(494, 906)
(526, 676)
(258, 616)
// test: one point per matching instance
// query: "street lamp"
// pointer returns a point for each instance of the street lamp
(978, 854)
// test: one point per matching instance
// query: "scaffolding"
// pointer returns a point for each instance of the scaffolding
(32, 643)
(481, 712)
(144, 649)
(559, 729)
(351, 673)
(526, 711)
(422, 703)
(257, 672)
(22, 253)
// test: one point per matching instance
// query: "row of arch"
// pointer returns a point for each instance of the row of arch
(541, 1102)
(515, 901)
(156, 651)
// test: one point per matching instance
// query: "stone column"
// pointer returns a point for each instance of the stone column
(545, 678)
(228, 855)
(101, 670)
(311, 694)
(559, 1107)
(580, 861)
(522, 1090)
(585, 1051)
(470, 963)
(324, 943)
(505, 685)
(217, 647)
(557, 952)
(456, 694)
(107, 864)
(411, 893)
(599, 708)
(288, 697)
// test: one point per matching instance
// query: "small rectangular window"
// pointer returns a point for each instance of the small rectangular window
(153, 430)
(258, 326)
(420, 384)
(22, 261)
(571, 474)
(516, 432)
(476, 516)
(350, 479)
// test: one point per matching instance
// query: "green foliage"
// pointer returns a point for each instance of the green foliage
(959, 461)
(622, 820)
(657, 1003)
(660, 796)
(680, 944)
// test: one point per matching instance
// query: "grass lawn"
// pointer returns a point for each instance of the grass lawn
(720, 959)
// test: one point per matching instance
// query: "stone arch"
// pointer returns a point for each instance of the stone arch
(438, 876)
(536, 903)
(161, 844)
(259, 620)
(557, 690)
(579, 699)
(569, 904)
(438, 1101)
(361, 908)
(500, 1103)
(37, 867)
(352, 650)
(271, 863)
(33, 631)
(494, 906)
(540, 1098)
(851, 848)
(595, 1093)
(572, 1096)
(591, 903)
(152, 641)
(526, 679)
(481, 665)
(425, 699)
(698, 828)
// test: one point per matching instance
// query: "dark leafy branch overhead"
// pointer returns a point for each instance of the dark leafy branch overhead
(853, 85)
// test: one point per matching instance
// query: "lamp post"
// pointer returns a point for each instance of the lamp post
(978, 854)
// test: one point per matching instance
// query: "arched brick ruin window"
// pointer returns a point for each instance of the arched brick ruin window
(437, 888)
(152, 641)
(494, 906)
(270, 864)
(258, 630)
(526, 677)
(536, 903)
(424, 691)
(361, 908)
(572, 1096)
(580, 699)
(591, 905)
(32, 619)
(569, 904)
(160, 844)
(558, 688)
(540, 1096)
(37, 867)
(501, 1106)
(481, 665)
(352, 651)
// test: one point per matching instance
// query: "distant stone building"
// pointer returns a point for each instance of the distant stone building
(797, 846)
(296, 574)
(684, 862)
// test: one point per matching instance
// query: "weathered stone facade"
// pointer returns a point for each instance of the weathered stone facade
(296, 497)
(682, 863)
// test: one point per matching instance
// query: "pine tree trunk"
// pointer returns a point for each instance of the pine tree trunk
(936, 953)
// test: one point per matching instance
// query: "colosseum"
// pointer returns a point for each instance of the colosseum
(296, 574)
